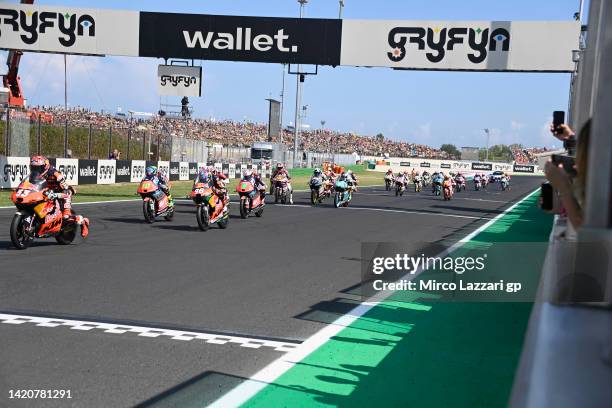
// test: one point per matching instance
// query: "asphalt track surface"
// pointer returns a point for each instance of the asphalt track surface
(278, 278)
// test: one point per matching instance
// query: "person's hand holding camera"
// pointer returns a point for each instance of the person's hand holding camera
(562, 132)
(558, 177)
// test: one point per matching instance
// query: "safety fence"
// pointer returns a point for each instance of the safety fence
(87, 171)
(455, 165)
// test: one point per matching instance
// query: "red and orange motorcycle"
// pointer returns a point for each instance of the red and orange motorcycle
(208, 210)
(39, 215)
(248, 204)
(155, 203)
(281, 189)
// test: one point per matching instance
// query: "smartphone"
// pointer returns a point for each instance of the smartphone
(558, 119)
(546, 197)
(567, 162)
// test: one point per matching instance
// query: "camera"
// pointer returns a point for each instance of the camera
(568, 163)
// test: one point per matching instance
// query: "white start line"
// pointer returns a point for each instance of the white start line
(152, 332)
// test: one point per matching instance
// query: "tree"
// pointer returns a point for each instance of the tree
(501, 153)
(451, 149)
(380, 137)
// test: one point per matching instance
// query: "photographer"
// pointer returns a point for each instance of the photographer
(570, 183)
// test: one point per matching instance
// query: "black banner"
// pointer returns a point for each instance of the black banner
(174, 171)
(193, 170)
(88, 171)
(445, 166)
(425, 164)
(123, 171)
(482, 166)
(524, 168)
(239, 38)
(405, 164)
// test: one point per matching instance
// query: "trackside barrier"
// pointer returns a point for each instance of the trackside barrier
(398, 164)
(82, 171)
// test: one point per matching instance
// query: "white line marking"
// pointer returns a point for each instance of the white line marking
(394, 211)
(176, 199)
(258, 381)
(180, 335)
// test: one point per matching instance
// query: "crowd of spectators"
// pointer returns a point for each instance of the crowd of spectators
(527, 156)
(234, 133)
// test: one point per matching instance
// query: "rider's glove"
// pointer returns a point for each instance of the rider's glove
(51, 195)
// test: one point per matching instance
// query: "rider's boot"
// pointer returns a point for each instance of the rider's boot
(84, 223)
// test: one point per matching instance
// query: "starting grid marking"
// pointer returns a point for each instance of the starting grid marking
(152, 332)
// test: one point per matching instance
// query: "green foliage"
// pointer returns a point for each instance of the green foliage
(451, 149)
(501, 153)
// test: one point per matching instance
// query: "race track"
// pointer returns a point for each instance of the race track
(212, 307)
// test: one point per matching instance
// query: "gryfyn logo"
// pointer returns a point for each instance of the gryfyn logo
(242, 39)
(440, 40)
(33, 24)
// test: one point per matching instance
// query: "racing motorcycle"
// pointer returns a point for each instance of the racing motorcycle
(426, 180)
(155, 202)
(39, 215)
(400, 187)
(417, 185)
(207, 213)
(248, 205)
(459, 184)
(504, 184)
(477, 185)
(388, 181)
(448, 192)
(344, 194)
(437, 188)
(281, 189)
(319, 190)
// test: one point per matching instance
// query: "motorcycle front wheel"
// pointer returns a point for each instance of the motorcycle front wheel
(148, 210)
(244, 211)
(203, 217)
(19, 237)
(314, 197)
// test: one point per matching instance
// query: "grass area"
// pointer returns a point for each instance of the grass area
(127, 191)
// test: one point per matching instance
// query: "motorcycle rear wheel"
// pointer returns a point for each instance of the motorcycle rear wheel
(18, 236)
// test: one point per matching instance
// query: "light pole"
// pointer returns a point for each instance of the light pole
(341, 8)
(488, 135)
(298, 97)
(282, 105)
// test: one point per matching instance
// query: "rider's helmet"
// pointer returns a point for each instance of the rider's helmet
(150, 171)
(417, 173)
(247, 173)
(203, 174)
(39, 165)
(280, 166)
(317, 172)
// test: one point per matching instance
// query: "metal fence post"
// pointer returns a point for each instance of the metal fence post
(38, 142)
(110, 139)
(144, 145)
(66, 135)
(89, 142)
(158, 145)
(129, 141)
(7, 137)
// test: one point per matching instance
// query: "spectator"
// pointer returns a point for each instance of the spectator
(115, 155)
(571, 190)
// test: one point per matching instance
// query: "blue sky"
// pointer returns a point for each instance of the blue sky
(424, 107)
